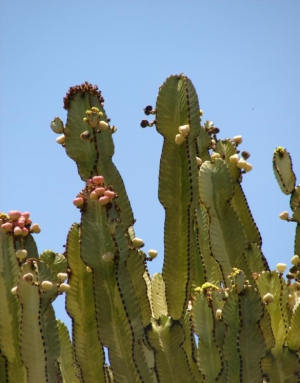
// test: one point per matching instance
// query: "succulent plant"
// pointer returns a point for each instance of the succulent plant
(216, 313)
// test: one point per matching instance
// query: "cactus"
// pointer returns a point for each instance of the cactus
(216, 313)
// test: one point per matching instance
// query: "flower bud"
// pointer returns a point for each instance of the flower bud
(219, 314)
(14, 290)
(61, 139)
(110, 194)
(6, 226)
(100, 191)
(103, 125)
(35, 228)
(248, 167)
(152, 253)
(98, 180)
(47, 285)
(14, 214)
(103, 200)
(284, 215)
(25, 231)
(108, 257)
(18, 231)
(184, 130)
(199, 161)
(234, 158)
(179, 139)
(93, 196)
(268, 298)
(241, 163)
(21, 253)
(62, 277)
(137, 242)
(78, 201)
(88, 269)
(295, 260)
(64, 287)
(214, 156)
(237, 140)
(281, 267)
(21, 222)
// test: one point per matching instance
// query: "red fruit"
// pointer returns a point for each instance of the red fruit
(14, 214)
(103, 200)
(98, 180)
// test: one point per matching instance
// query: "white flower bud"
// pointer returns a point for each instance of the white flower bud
(62, 277)
(88, 269)
(64, 287)
(295, 260)
(248, 167)
(152, 253)
(47, 285)
(234, 158)
(199, 161)
(281, 267)
(179, 139)
(21, 253)
(108, 257)
(103, 125)
(268, 298)
(284, 215)
(237, 140)
(184, 129)
(14, 290)
(61, 139)
(137, 242)
(219, 314)
(241, 163)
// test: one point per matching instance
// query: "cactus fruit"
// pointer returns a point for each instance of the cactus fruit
(216, 313)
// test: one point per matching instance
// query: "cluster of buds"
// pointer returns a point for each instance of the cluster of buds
(92, 118)
(240, 162)
(58, 127)
(183, 133)
(98, 192)
(18, 223)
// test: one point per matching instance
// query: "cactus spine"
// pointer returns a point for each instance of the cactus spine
(216, 313)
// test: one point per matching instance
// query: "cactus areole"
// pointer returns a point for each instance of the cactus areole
(216, 313)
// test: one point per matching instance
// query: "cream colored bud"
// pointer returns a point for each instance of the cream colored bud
(281, 267)
(179, 139)
(241, 163)
(184, 130)
(152, 253)
(61, 139)
(88, 269)
(219, 314)
(14, 290)
(213, 142)
(237, 140)
(62, 277)
(284, 215)
(64, 287)
(137, 242)
(214, 156)
(199, 161)
(234, 158)
(295, 260)
(21, 253)
(108, 257)
(47, 285)
(268, 298)
(248, 167)
(103, 125)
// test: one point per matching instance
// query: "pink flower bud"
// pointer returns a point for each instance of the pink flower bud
(100, 191)
(26, 215)
(110, 194)
(14, 214)
(89, 182)
(78, 201)
(103, 200)
(21, 222)
(25, 232)
(29, 221)
(35, 228)
(98, 180)
(18, 231)
(6, 226)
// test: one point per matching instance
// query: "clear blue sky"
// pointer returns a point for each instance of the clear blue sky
(242, 56)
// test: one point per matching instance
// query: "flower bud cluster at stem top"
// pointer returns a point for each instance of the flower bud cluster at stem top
(17, 223)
